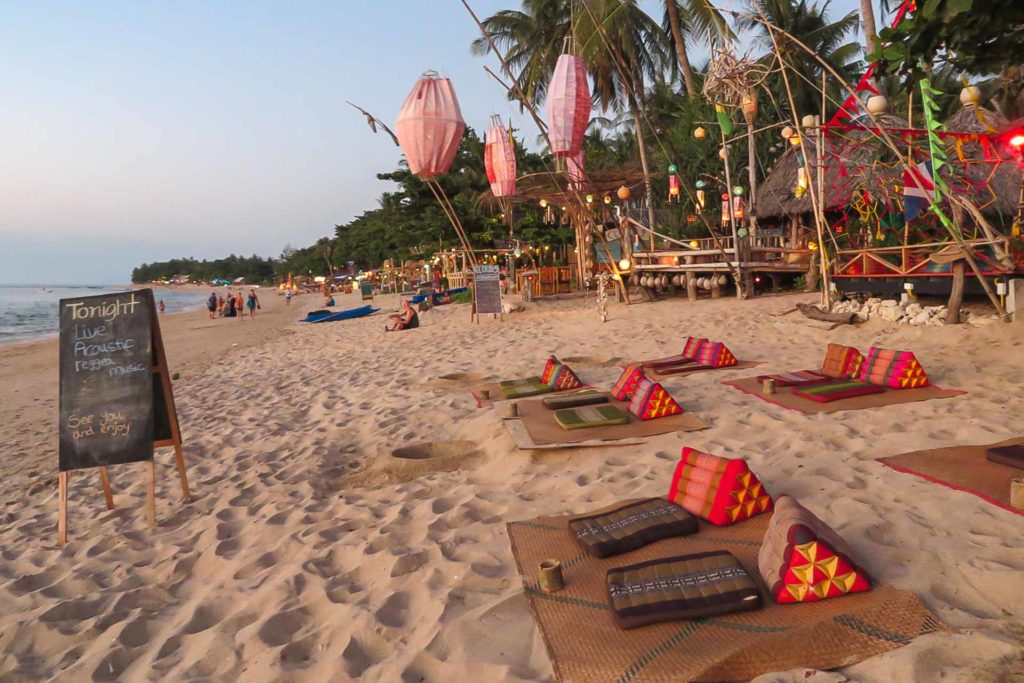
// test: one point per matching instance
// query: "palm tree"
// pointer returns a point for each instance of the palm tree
(693, 17)
(623, 47)
(809, 23)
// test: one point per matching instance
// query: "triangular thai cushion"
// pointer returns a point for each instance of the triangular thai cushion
(842, 362)
(630, 377)
(549, 367)
(720, 490)
(651, 400)
(802, 559)
(893, 369)
(715, 355)
(562, 378)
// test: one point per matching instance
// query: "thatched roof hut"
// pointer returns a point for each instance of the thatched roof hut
(991, 178)
(849, 165)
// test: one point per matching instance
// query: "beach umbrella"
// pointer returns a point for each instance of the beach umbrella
(430, 126)
(568, 106)
(500, 159)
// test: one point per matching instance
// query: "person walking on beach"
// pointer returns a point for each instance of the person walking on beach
(238, 305)
(252, 303)
(287, 297)
(211, 304)
(162, 307)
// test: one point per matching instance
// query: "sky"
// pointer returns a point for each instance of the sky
(141, 131)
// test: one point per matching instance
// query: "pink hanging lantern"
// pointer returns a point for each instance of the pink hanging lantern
(574, 169)
(568, 106)
(430, 126)
(500, 160)
(673, 188)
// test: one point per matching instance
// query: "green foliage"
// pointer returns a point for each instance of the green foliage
(254, 269)
(969, 36)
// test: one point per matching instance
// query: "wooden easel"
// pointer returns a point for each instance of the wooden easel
(173, 439)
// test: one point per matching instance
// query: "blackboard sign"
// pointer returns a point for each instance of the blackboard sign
(487, 289)
(106, 380)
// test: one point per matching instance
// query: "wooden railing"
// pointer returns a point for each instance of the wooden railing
(914, 260)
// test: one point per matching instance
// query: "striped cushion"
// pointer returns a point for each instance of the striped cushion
(795, 379)
(715, 355)
(626, 384)
(590, 416)
(651, 400)
(842, 362)
(692, 347)
(526, 381)
(562, 378)
(893, 369)
(683, 587)
(525, 390)
(836, 390)
(631, 526)
(583, 398)
(720, 490)
(549, 367)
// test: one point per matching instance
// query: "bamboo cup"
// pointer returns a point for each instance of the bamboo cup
(768, 386)
(1017, 493)
(551, 576)
(485, 394)
(513, 409)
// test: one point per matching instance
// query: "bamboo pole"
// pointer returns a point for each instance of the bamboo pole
(883, 135)
(740, 292)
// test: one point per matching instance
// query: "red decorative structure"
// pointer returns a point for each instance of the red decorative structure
(574, 169)
(500, 160)
(568, 106)
(430, 126)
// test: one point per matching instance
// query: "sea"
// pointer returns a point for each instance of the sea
(30, 312)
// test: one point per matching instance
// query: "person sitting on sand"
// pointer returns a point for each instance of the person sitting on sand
(405, 320)
(329, 300)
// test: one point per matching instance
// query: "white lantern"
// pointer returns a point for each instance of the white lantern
(970, 96)
(877, 104)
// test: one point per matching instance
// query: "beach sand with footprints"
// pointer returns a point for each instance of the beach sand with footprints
(350, 498)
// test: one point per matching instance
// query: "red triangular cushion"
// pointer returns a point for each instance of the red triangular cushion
(721, 490)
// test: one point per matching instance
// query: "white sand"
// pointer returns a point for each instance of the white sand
(311, 554)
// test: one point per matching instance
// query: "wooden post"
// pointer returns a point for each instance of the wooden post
(105, 482)
(62, 512)
(691, 282)
(956, 294)
(151, 493)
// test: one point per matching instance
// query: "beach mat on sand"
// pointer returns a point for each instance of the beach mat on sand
(662, 372)
(963, 468)
(584, 643)
(785, 397)
(541, 425)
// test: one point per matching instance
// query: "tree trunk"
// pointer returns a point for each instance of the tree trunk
(815, 313)
(956, 295)
(641, 144)
(867, 15)
(752, 176)
(677, 36)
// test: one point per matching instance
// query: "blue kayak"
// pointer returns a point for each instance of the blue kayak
(331, 316)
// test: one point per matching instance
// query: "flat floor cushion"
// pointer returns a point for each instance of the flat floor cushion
(1007, 455)
(796, 379)
(683, 587)
(584, 398)
(525, 390)
(526, 381)
(631, 526)
(834, 391)
(590, 416)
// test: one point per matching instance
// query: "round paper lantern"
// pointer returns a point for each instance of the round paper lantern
(813, 246)
(590, 199)
(807, 121)
(699, 133)
(699, 184)
(723, 280)
(672, 169)
(742, 232)
(694, 244)
(738, 190)
(543, 203)
(725, 196)
(518, 252)
(624, 264)
(430, 126)
(970, 96)
(500, 161)
(568, 106)
(787, 132)
(607, 199)
(794, 140)
(623, 193)
(877, 104)
(723, 154)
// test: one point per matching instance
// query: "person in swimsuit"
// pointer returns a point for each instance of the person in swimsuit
(252, 303)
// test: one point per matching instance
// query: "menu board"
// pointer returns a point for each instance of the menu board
(487, 289)
(106, 380)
